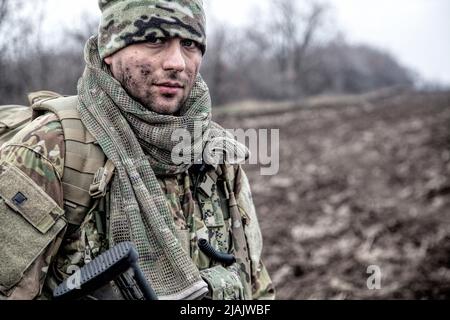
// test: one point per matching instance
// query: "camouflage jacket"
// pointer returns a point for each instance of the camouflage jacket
(39, 152)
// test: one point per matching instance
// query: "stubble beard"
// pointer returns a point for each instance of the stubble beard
(142, 90)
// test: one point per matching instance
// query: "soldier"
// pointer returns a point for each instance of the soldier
(95, 170)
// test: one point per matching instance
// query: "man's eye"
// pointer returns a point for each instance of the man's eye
(156, 41)
(188, 43)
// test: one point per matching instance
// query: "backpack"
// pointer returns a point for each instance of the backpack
(83, 178)
(14, 118)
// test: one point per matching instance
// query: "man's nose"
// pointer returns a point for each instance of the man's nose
(174, 59)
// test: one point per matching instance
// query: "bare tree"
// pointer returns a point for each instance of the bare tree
(7, 16)
(216, 66)
(80, 34)
(4, 11)
(293, 33)
(4, 8)
(24, 56)
(276, 57)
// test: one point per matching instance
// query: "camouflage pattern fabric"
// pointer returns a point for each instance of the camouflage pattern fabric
(262, 287)
(12, 119)
(128, 22)
(224, 284)
(208, 217)
(39, 152)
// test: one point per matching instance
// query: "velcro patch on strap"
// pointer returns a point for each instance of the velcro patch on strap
(24, 196)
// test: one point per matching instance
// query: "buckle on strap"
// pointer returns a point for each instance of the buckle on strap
(102, 178)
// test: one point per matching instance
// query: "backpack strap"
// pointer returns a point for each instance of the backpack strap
(83, 156)
(40, 96)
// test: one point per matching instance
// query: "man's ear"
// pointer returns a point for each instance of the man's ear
(108, 60)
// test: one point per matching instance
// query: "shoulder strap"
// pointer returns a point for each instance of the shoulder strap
(40, 96)
(83, 156)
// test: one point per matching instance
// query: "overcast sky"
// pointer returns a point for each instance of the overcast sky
(417, 32)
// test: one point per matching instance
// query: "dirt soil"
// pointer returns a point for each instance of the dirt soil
(361, 183)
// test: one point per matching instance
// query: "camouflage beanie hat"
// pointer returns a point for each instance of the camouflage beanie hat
(126, 22)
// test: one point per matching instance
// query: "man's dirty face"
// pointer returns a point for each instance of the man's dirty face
(159, 74)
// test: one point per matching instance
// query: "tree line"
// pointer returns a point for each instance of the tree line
(287, 54)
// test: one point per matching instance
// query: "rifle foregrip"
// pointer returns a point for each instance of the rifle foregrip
(96, 274)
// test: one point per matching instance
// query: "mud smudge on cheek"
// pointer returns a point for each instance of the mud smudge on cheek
(137, 81)
(129, 81)
(146, 70)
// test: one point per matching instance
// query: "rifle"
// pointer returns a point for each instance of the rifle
(119, 264)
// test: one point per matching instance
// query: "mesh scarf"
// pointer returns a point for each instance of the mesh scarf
(138, 142)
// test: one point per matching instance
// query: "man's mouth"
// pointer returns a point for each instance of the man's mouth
(169, 87)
